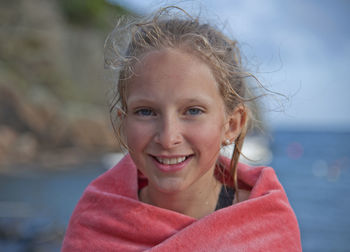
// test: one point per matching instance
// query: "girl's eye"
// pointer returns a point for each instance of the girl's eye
(194, 111)
(144, 112)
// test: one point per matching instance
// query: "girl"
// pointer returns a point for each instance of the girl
(181, 97)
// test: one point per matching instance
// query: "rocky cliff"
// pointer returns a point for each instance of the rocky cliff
(53, 93)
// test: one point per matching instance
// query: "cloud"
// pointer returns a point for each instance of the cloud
(300, 48)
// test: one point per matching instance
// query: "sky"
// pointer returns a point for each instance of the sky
(298, 48)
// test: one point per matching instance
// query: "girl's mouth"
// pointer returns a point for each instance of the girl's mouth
(171, 163)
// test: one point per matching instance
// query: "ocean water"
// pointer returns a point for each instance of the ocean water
(313, 167)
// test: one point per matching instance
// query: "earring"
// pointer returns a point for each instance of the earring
(227, 142)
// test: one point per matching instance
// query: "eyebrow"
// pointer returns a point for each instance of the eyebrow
(137, 99)
(198, 99)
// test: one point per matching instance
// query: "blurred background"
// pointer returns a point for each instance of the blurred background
(55, 133)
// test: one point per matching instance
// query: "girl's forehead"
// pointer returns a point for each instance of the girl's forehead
(170, 64)
(173, 73)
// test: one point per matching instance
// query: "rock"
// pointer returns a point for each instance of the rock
(92, 134)
(9, 114)
(45, 65)
(7, 140)
(19, 113)
(26, 147)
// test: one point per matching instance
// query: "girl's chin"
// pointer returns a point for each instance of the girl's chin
(168, 185)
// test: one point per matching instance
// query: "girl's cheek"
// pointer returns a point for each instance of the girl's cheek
(137, 132)
(207, 134)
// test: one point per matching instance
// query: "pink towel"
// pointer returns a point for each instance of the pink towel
(109, 217)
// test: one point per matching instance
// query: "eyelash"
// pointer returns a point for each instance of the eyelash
(198, 110)
(145, 112)
(141, 111)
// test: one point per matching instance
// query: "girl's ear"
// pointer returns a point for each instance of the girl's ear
(120, 114)
(235, 123)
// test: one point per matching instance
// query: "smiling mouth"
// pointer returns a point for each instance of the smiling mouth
(171, 161)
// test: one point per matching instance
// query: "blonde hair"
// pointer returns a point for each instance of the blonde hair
(164, 29)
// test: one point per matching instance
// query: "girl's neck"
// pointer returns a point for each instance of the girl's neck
(196, 201)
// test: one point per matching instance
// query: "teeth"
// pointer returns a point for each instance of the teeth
(171, 161)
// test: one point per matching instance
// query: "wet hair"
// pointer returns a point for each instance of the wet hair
(172, 27)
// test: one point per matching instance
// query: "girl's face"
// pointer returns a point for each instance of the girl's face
(175, 121)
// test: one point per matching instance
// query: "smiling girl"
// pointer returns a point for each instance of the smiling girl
(181, 97)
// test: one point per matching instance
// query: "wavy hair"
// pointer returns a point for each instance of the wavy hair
(172, 27)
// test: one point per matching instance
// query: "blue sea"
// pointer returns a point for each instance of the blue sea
(314, 168)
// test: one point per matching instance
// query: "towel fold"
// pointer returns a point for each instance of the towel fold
(109, 217)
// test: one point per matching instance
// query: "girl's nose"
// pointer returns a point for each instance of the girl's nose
(168, 132)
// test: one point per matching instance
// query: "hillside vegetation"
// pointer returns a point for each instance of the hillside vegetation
(53, 93)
